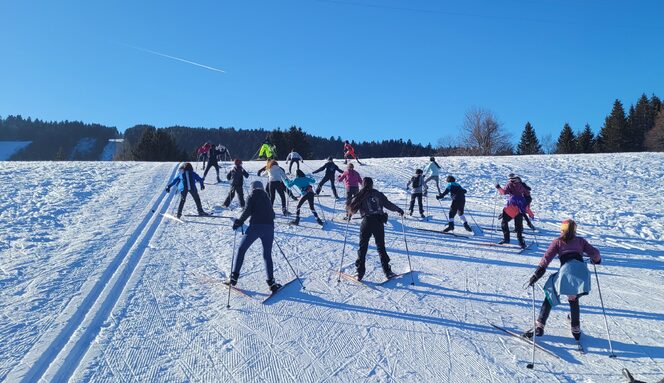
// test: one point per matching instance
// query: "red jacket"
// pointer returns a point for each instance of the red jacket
(349, 149)
(204, 149)
(576, 245)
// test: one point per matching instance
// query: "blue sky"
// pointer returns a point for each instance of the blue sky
(361, 69)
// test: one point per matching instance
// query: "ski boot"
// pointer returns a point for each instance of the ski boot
(530, 225)
(467, 227)
(203, 214)
(320, 221)
(285, 212)
(296, 221)
(522, 243)
(360, 273)
(576, 330)
(218, 180)
(410, 213)
(178, 216)
(539, 331)
(233, 279)
(274, 286)
(505, 241)
(450, 227)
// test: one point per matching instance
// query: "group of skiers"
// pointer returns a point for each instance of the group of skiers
(572, 280)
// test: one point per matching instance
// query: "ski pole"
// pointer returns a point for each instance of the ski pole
(228, 301)
(493, 216)
(606, 322)
(334, 209)
(343, 252)
(480, 229)
(531, 365)
(403, 230)
(321, 207)
(289, 264)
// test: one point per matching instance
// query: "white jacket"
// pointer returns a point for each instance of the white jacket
(293, 156)
(432, 168)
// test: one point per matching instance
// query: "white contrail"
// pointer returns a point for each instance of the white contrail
(175, 58)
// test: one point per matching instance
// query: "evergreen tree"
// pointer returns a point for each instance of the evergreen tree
(641, 120)
(529, 143)
(613, 136)
(566, 141)
(60, 155)
(586, 141)
(655, 137)
(157, 145)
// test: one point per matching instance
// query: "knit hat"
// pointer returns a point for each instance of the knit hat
(512, 176)
(451, 179)
(256, 185)
(237, 162)
(418, 171)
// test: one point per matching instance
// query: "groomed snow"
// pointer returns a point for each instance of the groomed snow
(96, 287)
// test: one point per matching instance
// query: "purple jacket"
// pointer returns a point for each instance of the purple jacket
(577, 245)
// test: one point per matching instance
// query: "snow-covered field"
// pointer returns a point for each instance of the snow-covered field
(96, 287)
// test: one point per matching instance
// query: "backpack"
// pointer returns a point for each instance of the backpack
(416, 181)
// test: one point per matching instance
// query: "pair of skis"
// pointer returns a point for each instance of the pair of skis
(353, 278)
(522, 337)
(253, 296)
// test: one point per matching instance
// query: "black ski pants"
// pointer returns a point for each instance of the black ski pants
(215, 165)
(290, 167)
(274, 188)
(183, 199)
(231, 194)
(323, 181)
(413, 197)
(307, 197)
(372, 225)
(518, 225)
(457, 207)
(574, 308)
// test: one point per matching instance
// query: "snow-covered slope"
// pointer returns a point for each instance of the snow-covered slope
(96, 287)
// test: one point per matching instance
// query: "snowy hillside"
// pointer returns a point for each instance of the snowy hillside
(8, 148)
(95, 287)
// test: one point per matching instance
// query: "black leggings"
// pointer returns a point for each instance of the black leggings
(575, 312)
(183, 199)
(417, 196)
(307, 197)
(290, 167)
(457, 207)
(518, 225)
(372, 226)
(275, 187)
(231, 194)
(323, 181)
(210, 165)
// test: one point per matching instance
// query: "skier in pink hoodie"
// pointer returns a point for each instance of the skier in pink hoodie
(352, 180)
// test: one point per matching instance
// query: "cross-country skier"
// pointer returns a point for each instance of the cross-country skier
(213, 162)
(433, 169)
(294, 158)
(224, 153)
(304, 183)
(261, 226)
(529, 213)
(276, 176)
(370, 203)
(515, 209)
(267, 151)
(458, 195)
(573, 278)
(417, 183)
(236, 176)
(352, 181)
(203, 153)
(186, 181)
(330, 170)
(349, 152)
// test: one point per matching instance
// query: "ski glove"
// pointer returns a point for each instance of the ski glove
(236, 224)
(539, 272)
(497, 186)
(400, 211)
(168, 189)
(599, 261)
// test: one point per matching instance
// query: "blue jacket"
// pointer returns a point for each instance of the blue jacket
(186, 181)
(573, 278)
(302, 183)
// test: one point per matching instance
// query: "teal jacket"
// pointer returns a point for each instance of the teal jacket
(302, 183)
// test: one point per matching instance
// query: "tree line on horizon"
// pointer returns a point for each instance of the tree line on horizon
(639, 129)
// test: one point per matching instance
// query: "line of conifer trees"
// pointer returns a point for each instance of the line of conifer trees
(640, 129)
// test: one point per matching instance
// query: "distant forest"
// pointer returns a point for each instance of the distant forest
(641, 128)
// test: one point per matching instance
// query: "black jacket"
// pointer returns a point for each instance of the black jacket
(214, 154)
(259, 208)
(330, 168)
(235, 176)
(374, 202)
(456, 192)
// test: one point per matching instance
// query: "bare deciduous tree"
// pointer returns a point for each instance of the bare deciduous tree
(482, 134)
(548, 145)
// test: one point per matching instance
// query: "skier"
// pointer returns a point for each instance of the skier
(276, 175)
(370, 203)
(213, 162)
(573, 278)
(515, 209)
(352, 180)
(458, 195)
(237, 183)
(266, 151)
(349, 151)
(330, 170)
(203, 153)
(224, 153)
(417, 182)
(528, 212)
(186, 181)
(434, 169)
(261, 226)
(293, 157)
(304, 183)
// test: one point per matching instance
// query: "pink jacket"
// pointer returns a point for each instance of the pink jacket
(576, 245)
(351, 178)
